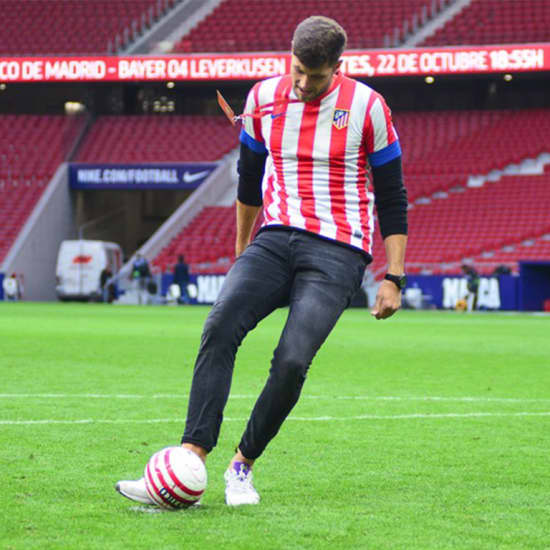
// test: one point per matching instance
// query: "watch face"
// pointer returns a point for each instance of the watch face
(403, 281)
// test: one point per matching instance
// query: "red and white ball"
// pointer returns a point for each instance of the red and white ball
(175, 477)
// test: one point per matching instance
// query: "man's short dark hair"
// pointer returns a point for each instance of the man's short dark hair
(318, 40)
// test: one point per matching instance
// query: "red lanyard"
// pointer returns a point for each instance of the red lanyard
(259, 112)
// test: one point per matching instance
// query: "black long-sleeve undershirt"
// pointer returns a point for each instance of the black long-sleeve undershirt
(389, 191)
(390, 197)
(251, 168)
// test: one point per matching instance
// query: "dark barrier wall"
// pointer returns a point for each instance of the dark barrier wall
(534, 285)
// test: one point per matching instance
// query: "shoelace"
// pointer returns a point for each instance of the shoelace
(241, 481)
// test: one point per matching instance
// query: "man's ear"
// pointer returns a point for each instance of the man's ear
(338, 65)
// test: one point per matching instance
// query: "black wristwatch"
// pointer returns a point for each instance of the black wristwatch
(400, 281)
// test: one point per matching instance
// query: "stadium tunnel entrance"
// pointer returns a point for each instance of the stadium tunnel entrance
(126, 217)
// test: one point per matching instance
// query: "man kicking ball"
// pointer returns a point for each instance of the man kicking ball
(311, 143)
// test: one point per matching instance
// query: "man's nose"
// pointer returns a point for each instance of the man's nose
(305, 82)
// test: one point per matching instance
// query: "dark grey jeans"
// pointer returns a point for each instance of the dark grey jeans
(316, 279)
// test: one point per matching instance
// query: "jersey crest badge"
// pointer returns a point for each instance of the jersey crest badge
(340, 119)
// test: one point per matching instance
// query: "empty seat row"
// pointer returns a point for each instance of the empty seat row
(262, 25)
(496, 22)
(69, 27)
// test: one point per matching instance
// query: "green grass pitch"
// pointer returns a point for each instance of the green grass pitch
(429, 430)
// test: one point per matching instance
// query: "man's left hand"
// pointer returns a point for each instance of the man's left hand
(388, 300)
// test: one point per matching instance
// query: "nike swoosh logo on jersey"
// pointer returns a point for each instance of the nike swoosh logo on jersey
(190, 178)
(277, 115)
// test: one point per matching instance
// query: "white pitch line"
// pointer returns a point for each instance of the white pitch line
(465, 399)
(296, 418)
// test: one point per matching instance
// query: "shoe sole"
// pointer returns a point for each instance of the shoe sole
(242, 503)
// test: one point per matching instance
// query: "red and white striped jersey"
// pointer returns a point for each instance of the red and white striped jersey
(317, 172)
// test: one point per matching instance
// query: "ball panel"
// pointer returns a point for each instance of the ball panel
(165, 490)
(152, 483)
(183, 472)
(175, 477)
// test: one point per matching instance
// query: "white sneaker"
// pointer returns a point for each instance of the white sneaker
(238, 485)
(134, 490)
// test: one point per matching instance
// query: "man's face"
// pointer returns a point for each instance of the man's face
(309, 84)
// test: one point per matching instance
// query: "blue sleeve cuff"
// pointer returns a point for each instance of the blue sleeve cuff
(251, 143)
(385, 155)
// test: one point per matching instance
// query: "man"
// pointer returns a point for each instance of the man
(141, 275)
(472, 285)
(181, 278)
(108, 291)
(309, 143)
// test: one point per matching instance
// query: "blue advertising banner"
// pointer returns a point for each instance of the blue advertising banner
(440, 291)
(202, 289)
(437, 291)
(139, 176)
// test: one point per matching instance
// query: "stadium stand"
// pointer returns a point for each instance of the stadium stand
(153, 138)
(31, 149)
(496, 22)
(214, 225)
(73, 26)
(477, 224)
(262, 25)
(530, 249)
(441, 149)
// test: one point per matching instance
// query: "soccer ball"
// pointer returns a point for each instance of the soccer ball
(175, 477)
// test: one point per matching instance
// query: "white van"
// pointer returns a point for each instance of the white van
(79, 267)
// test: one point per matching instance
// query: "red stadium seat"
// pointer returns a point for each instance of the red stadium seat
(129, 139)
(237, 25)
(68, 26)
(496, 22)
(440, 150)
(31, 149)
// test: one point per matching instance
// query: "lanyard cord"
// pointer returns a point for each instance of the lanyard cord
(259, 112)
(263, 110)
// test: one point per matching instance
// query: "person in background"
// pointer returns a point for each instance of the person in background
(107, 290)
(12, 288)
(141, 271)
(141, 275)
(472, 284)
(181, 278)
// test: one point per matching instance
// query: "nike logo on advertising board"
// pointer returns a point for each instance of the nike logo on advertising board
(192, 177)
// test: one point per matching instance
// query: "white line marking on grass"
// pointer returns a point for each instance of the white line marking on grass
(464, 399)
(296, 418)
